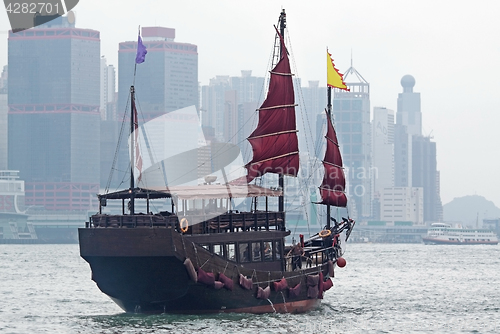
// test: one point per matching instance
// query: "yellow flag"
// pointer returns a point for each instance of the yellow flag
(334, 78)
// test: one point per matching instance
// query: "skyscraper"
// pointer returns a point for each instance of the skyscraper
(107, 89)
(168, 78)
(382, 150)
(248, 89)
(409, 113)
(229, 108)
(415, 154)
(408, 124)
(54, 121)
(314, 103)
(3, 119)
(425, 175)
(213, 104)
(352, 118)
(166, 81)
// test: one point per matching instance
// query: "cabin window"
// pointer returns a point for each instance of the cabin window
(244, 253)
(277, 250)
(231, 252)
(256, 251)
(268, 250)
(218, 250)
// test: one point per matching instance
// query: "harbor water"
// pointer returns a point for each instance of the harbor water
(385, 288)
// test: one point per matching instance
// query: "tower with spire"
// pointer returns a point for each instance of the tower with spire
(352, 118)
(409, 113)
(414, 153)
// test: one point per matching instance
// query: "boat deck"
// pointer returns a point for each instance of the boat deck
(228, 222)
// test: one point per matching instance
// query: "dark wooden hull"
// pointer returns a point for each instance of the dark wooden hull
(143, 271)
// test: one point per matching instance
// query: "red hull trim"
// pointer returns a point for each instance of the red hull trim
(300, 306)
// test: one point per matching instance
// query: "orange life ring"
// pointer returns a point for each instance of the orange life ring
(325, 233)
(184, 224)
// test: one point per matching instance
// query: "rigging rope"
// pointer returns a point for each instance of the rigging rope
(115, 158)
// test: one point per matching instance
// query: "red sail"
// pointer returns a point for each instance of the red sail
(333, 185)
(274, 141)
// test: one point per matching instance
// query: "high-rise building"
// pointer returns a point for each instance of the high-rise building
(313, 101)
(166, 81)
(107, 90)
(249, 91)
(168, 78)
(213, 104)
(382, 152)
(315, 98)
(231, 113)
(248, 87)
(402, 156)
(3, 79)
(415, 154)
(54, 120)
(402, 204)
(110, 123)
(425, 175)
(352, 120)
(3, 119)
(409, 113)
(229, 107)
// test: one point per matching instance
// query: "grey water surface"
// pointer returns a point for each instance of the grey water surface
(385, 288)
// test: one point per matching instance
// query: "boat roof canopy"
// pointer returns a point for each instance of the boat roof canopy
(138, 193)
(212, 191)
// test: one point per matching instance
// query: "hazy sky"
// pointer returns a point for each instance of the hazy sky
(452, 48)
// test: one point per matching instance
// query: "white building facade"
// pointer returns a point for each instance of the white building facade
(402, 204)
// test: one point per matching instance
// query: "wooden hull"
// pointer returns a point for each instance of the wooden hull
(143, 271)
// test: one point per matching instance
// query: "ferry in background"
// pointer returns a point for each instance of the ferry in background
(441, 233)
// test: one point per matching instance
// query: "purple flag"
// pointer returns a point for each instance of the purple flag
(141, 52)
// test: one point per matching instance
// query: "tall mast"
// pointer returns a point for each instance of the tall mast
(281, 178)
(132, 146)
(274, 141)
(329, 117)
(332, 188)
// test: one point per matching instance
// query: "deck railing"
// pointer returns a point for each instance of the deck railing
(227, 222)
(312, 257)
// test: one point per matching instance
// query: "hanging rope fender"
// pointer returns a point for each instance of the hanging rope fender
(325, 233)
(184, 225)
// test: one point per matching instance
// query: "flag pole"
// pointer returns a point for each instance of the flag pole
(135, 62)
(329, 116)
(133, 116)
(132, 146)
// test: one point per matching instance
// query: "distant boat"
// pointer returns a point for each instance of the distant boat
(444, 234)
(188, 260)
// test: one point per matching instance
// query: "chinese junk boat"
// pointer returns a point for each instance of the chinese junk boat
(187, 260)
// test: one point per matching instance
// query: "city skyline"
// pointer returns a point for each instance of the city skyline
(388, 41)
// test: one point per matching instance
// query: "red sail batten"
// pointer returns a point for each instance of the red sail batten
(274, 142)
(332, 188)
(333, 197)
